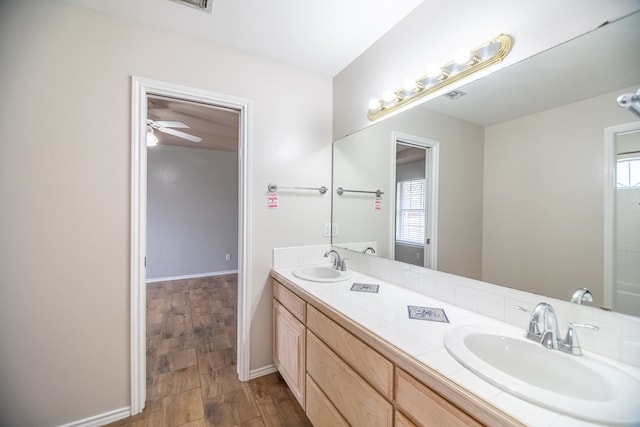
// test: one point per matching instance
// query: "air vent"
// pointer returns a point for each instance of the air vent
(203, 5)
(455, 94)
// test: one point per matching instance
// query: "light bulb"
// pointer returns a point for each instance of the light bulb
(374, 104)
(462, 56)
(409, 85)
(152, 140)
(434, 70)
(388, 97)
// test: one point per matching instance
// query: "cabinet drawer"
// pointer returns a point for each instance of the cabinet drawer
(425, 407)
(352, 396)
(374, 368)
(289, 300)
(319, 409)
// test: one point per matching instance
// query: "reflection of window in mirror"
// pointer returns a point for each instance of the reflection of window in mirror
(628, 172)
(410, 211)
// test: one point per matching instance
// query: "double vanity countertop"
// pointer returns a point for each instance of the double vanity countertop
(386, 315)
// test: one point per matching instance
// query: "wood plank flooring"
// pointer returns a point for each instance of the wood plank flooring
(191, 363)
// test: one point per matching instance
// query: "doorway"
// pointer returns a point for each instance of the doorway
(415, 187)
(622, 213)
(141, 90)
(192, 190)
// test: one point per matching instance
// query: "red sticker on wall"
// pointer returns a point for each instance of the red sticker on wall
(272, 201)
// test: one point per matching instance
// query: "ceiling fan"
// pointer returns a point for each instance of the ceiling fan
(165, 126)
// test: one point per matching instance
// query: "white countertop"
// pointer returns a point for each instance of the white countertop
(385, 314)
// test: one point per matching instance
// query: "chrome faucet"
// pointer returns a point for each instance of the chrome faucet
(543, 328)
(369, 248)
(571, 343)
(338, 262)
(547, 332)
(581, 295)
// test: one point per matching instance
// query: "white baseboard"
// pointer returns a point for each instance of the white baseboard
(261, 372)
(102, 419)
(191, 276)
(119, 414)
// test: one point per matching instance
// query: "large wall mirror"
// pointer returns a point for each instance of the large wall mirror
(512, 174)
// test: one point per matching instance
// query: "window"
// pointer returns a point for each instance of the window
(410, 211)
(628, 173)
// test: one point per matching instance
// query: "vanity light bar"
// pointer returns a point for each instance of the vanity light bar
(436, 77)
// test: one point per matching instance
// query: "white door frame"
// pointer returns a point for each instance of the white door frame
(140, 88)
(431, 164)
(610, 162)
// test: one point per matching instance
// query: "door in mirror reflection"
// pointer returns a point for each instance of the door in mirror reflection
(626, 298)
(415, 201)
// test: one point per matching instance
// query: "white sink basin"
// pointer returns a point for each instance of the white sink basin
(321, 273)
(578, 386)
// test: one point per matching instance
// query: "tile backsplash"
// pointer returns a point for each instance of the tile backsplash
(300, 255)
(618, 337)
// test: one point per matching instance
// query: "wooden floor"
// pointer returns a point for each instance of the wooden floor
(191, 363)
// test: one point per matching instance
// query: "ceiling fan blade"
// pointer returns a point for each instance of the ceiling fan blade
(170, 124)
(180, 134)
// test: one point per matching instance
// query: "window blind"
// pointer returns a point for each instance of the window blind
(410, 211)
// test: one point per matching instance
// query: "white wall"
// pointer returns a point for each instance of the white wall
(64, 185)
(361, 162)
(192, 211)
(430, 35)
(543, 198)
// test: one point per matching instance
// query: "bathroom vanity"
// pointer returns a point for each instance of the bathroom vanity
(352, 356)
(342, 374)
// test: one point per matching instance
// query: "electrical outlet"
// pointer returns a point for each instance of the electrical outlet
(334, 229)
(227, 257)
(327, 229)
